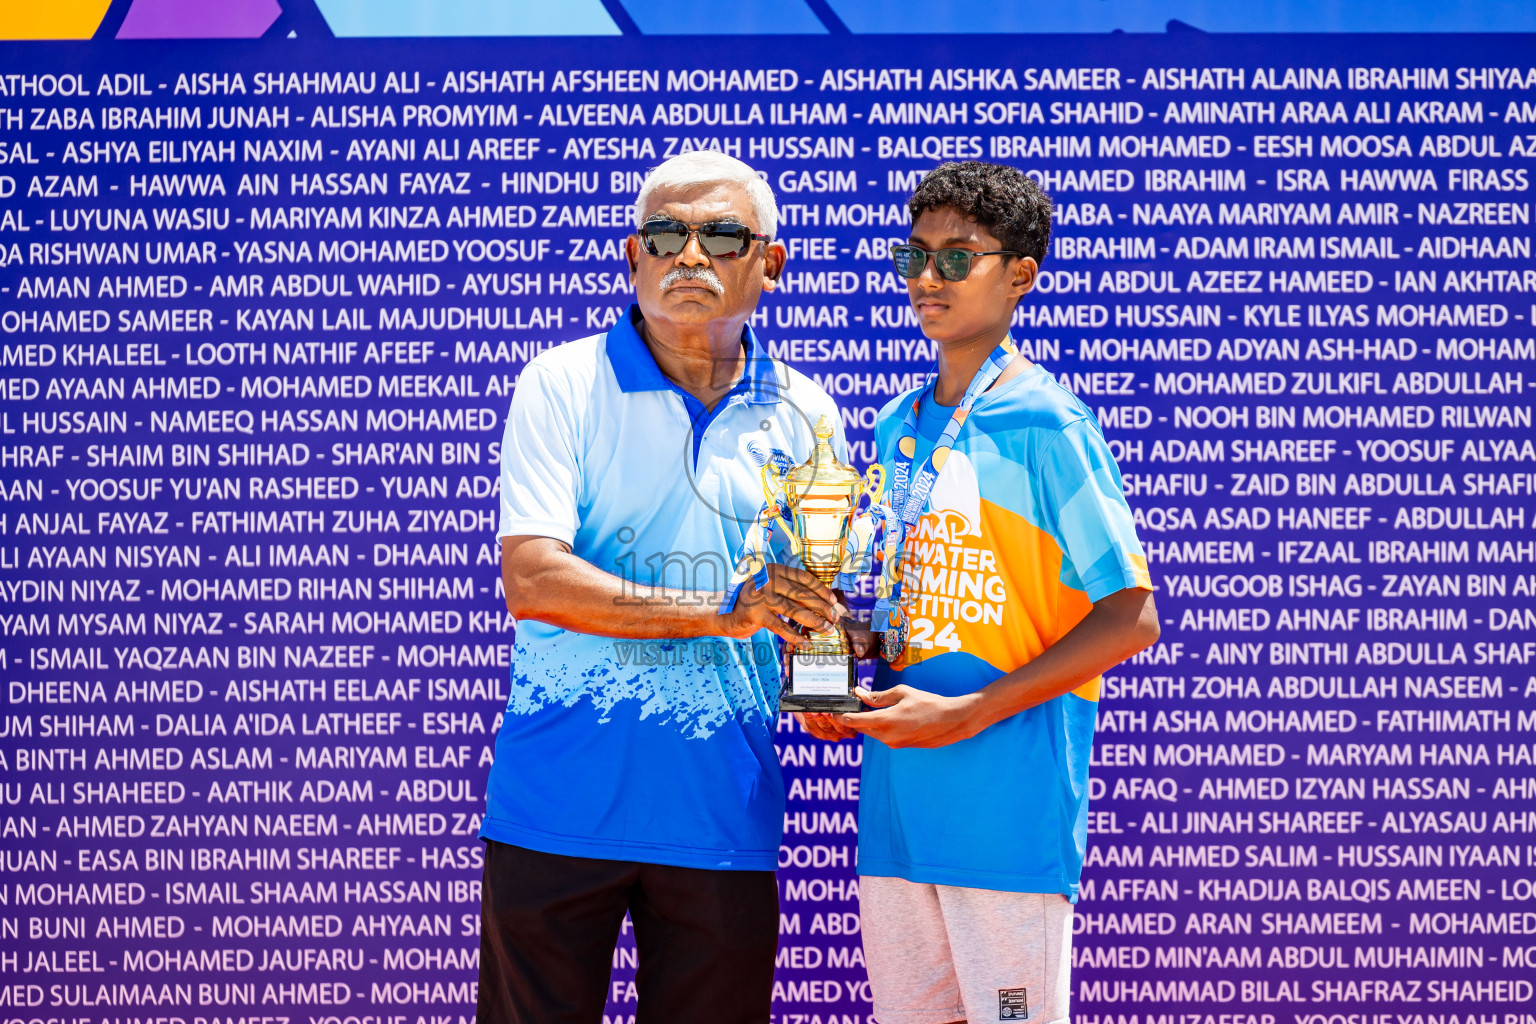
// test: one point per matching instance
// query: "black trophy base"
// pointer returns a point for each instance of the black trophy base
(821, 705)
(820, 683)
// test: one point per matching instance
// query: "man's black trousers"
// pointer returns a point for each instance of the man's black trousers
(706, 939)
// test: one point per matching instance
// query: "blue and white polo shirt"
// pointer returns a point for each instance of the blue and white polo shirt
(658, 751)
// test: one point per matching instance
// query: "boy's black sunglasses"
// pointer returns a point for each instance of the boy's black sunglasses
(952, 264)
(723, 239)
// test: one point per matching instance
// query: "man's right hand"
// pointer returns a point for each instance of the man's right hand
(792, 594)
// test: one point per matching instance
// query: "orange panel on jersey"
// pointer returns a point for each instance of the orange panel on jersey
(53, 19)
(1139, 564)
(997, 596)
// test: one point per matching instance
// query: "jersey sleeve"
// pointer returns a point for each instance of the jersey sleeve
(1088, 515)
(540, 461)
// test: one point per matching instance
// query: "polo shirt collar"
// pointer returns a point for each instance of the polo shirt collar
(635, 368)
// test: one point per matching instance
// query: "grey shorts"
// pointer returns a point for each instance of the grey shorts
(942, 953)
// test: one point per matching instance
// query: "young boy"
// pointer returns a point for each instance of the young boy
(1022, 581)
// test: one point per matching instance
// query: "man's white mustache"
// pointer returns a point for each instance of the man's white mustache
(703, 275)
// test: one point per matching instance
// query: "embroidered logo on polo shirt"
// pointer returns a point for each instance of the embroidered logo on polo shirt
(1012, 1003)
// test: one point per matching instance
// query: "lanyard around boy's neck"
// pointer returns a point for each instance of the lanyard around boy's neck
(909, 492)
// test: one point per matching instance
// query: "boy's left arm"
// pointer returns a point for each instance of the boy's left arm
(1119, 625)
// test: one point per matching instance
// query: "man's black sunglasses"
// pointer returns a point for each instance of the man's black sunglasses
(723, 239)
(952, 264)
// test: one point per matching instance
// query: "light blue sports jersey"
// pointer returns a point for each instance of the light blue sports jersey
(658, 751)
(1026, 526)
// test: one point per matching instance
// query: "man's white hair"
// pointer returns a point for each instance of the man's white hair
(706, 167)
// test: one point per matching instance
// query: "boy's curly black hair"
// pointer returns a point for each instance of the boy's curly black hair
(1004, 200)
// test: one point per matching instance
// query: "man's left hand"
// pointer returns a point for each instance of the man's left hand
(905, 717)
(824, 726)
(861, 642)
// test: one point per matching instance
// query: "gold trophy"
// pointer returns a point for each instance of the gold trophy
(822, 498)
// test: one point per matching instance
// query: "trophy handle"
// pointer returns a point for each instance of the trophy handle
(772, 483)
(773, 491)
(874, 483)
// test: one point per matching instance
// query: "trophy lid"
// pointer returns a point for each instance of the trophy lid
(823, 472)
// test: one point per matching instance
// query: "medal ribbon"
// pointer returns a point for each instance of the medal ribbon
(909, 492)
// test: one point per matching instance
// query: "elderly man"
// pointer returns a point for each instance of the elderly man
(635, 769)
